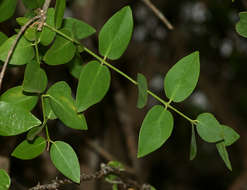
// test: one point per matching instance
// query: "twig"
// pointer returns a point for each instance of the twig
(159, 14)
(124, 178)
(43, 12)
(10, 53)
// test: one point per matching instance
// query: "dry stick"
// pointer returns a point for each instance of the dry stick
(10, 53)
(159, 14)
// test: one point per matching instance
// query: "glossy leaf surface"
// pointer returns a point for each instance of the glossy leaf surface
(63, 106)
(17, 97)
(61, 51)
(209, 128)
(65, 160)
(35, 79)
(7, 9)
(155, 130)
(49, 114)
(23, 52)
(142, 90)
(224, 154)
(116, 33)
(28, 150)
(193, 145)
(78, 28)
(15, 120)
(181, 79)
(230, 136)
(4, 180)
(94, 82)
(241, 26)
(59, 12)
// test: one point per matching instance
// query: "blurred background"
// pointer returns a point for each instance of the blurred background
(204, 25)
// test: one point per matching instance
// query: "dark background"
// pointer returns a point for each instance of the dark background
(204, 25)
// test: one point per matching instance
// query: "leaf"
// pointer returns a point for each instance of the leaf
(16, 97)
(241, 26)
(7, 9)
(15, 120)
(35, 79)
(181, 79)
(75, 66)
(230, 136)
(65, 160)
(114, 164)
(155, 130)
(116, 33)
(33, 4)
(3, 38)
(22, 20)
(22, 54)
(193, 146)
(29, 150)
(59, 12)
(78, 28)
(61, 52)
(94, 82)
(209, 128)
(224, 154)
(63, 106)
(4, 180)
(47, 35)
(142, 90)
(47, 109)
(30, 34)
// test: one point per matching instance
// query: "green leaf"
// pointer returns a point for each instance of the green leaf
(22, 54)
(59, 12)
(17, 97)
(63, 106)
(230, 136)
(193, 146)
(48, 110)
(75, 66)
(7, 9)
(241, 26)
(33, 4)
(22, 20)
(61, 52)
(142, 90)
(78, 28)
(28, 150)
(47, 35)
(114, 164)
(15, 120)
(94, 82)
(155, 130)
(209, 128)
(30, 34)
(181, 79)
(3, 38)
(35, 79)
(4, 180)
(115, 35)
(65, 160)
(224, 154)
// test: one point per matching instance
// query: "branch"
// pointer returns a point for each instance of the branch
(158, 13)
(124, 178)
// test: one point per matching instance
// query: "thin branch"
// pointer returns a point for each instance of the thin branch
(158, 13)
(43, 12)
(10, 53)
(124, 178)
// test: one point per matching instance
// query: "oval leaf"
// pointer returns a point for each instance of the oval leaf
(7, 9)
(155, 130)
(62, 51)
(75, 66)
(116, 33)
(193, 145)
(65, 160)
(63, 106)
(4, 180)
(15, 120)
(224, 154)
(230, 136)
(29, 150)
(181, 79)
(78, 28)
(3, 38)
(94, 83)
(59, 12)
(209, 128)
(142, 90)
(241, 26)
(35, 79)
(22, 54)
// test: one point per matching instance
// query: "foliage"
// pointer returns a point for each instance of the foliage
(59, 42)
